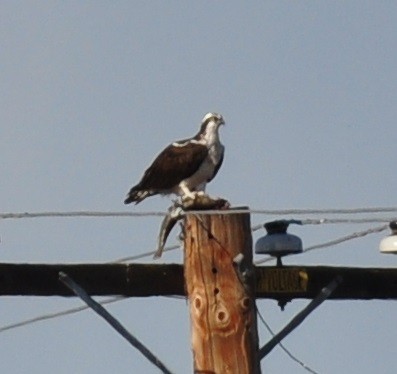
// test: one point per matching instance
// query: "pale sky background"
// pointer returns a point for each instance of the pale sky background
(91, 91)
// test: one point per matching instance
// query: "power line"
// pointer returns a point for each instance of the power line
(80, 214)
(62, 313)
(331, 243)
(105, 214)
(324, 221)
(282, 346)
(143, 255)
(329, 211)
(352, 236)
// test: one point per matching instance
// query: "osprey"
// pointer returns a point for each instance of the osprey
(185, 166)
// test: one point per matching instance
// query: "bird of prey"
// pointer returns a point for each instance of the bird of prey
(185, 166)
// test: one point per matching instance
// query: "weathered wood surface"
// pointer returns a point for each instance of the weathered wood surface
(222, 305)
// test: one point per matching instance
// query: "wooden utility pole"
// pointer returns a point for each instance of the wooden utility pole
(220, 286)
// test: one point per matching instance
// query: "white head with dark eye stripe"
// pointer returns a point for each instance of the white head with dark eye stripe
(210, 125)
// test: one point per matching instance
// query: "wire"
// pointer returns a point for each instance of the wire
(79, 214)
(296, 211)
(282, 346)
(321, 221)
(104, 214)
(352, 236)
(329, 211)
(344, 220)
(56, 314)
(142, 255)
(331, 243)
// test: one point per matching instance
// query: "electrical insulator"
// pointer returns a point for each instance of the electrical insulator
(278, 242)
(389, 244)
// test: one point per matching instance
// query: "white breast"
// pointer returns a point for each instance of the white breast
(207, 168)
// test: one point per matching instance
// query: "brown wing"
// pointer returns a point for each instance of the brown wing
(173, 165)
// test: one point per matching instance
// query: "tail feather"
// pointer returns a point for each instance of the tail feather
(136, 195)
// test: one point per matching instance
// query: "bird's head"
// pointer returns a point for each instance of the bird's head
(210, 123)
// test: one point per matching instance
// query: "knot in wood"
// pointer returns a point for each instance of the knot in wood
(245, 303)
(222, 317)
(198, 304)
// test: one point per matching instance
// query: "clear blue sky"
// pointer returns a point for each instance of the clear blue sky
(91, 91)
